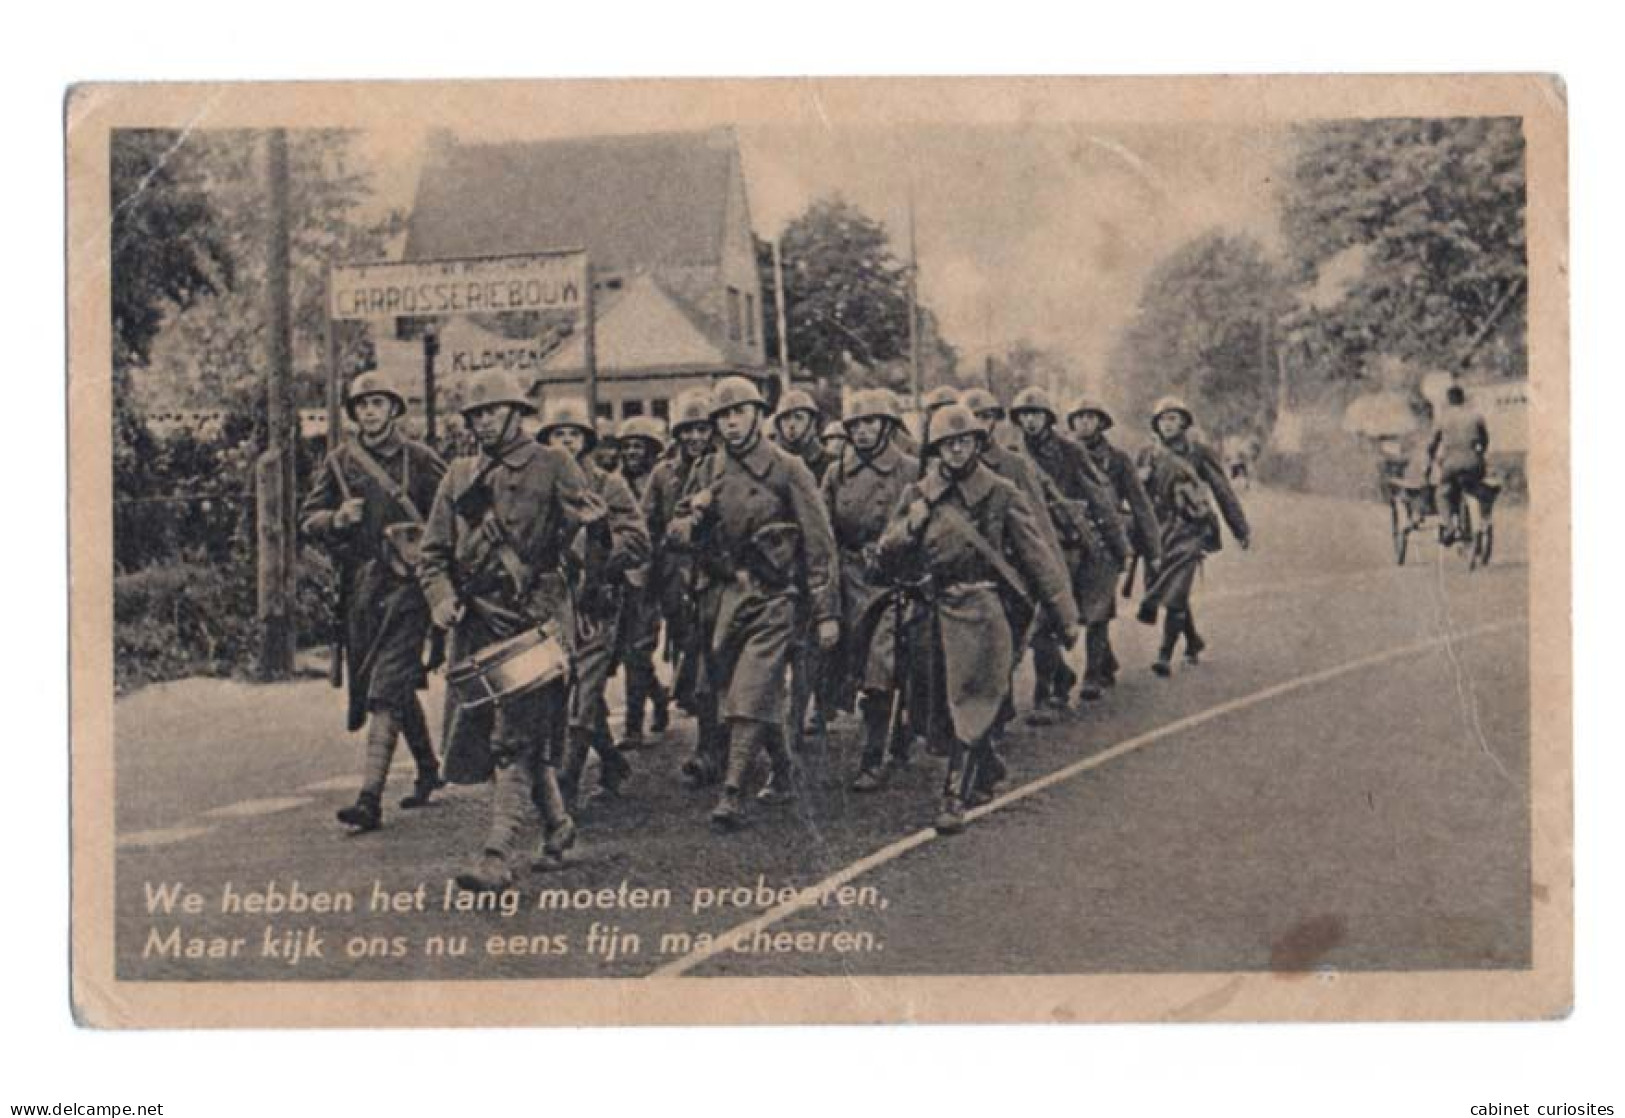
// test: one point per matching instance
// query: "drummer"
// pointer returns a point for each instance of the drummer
(492, 569)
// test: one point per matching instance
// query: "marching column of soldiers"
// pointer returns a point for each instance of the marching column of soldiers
(780, 568)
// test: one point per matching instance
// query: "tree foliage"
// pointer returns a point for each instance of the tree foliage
(845, 293)
(1203, 330)
(1436, 208)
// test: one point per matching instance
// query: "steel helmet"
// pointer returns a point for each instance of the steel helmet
(1168, 404)
(1033, 398)
(645, 427)
(833, 430)
(797, 400)
(1087, 404)
(980, 400)
(571, 411)
(498, 388)
(939, 397)
(873, 403)
(730, 392)
(372, 383)
(693, 409)
(949, 421)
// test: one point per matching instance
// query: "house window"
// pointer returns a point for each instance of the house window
(605, 409)
(733, 314)
(750, 318)
(660, 408)
(630, 408)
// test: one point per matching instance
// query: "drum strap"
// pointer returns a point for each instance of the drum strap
(392, 489)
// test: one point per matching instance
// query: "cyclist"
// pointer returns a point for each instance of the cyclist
(1456, 451)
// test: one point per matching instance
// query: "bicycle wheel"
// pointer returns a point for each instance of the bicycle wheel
(1466, 543)
(1399, 527)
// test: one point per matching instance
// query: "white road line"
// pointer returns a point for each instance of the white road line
(743, 932)
(248, 808)
(333, 784)
(161, 836)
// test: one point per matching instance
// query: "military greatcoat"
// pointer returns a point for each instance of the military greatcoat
(861, 492)
(386, 617)
(1180, 476)
(971, 648)
(756, 589)
(600, 562)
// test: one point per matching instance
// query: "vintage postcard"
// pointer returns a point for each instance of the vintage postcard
(792, 551)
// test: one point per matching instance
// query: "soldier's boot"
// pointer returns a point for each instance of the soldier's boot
(780, 788)
(366, 814)
(1194, 644)
(614, 770)
(1097, 650)
(577, 744)
(1065, 680)
(1173, 626)
(515, 800)
(873, 770)
(637, 693)
(729, 814)
(558, 828)
(660, 698)
(705, 765)
(990, 773)
(415, 728)
(1113, 665)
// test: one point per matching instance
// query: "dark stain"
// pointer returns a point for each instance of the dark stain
(1542, 894)
(1064, 1014)
(1306, 943)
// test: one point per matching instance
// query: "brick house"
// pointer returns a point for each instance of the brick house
(666, 223)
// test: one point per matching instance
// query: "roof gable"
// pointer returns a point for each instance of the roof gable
(645, 329)
(651, 200)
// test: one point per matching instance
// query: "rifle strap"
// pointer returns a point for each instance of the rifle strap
(392, 489)
(986, 550)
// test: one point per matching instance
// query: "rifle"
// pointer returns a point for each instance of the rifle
(341, 598)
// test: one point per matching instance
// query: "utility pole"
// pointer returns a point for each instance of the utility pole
(913, 303)
(431, 350)
(274, 471)
(778, 310)
(589, 341)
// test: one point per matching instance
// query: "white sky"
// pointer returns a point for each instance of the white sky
(1043, 232)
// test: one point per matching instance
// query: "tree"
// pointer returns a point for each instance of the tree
(845, 294)
(1203, 328)
(167, 245)
(1436, 208)
(215, 353)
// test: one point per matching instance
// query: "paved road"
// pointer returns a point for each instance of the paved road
(1342, 783)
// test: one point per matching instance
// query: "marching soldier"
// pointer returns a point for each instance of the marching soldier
(931, 403)
(1182, 472)
(980, 545)
(598, 568)
(1089, 420)
(606, 451)
(642, 445)
(795, 431)
(673, 573)
(493, 568)
(834, 440)
(367, 508)
(764, 550)
(1085, 512)
(861, 491)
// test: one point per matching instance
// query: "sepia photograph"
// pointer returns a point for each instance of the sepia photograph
(853, 550)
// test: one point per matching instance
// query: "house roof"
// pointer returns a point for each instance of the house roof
(646, 328)
(648, 200)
